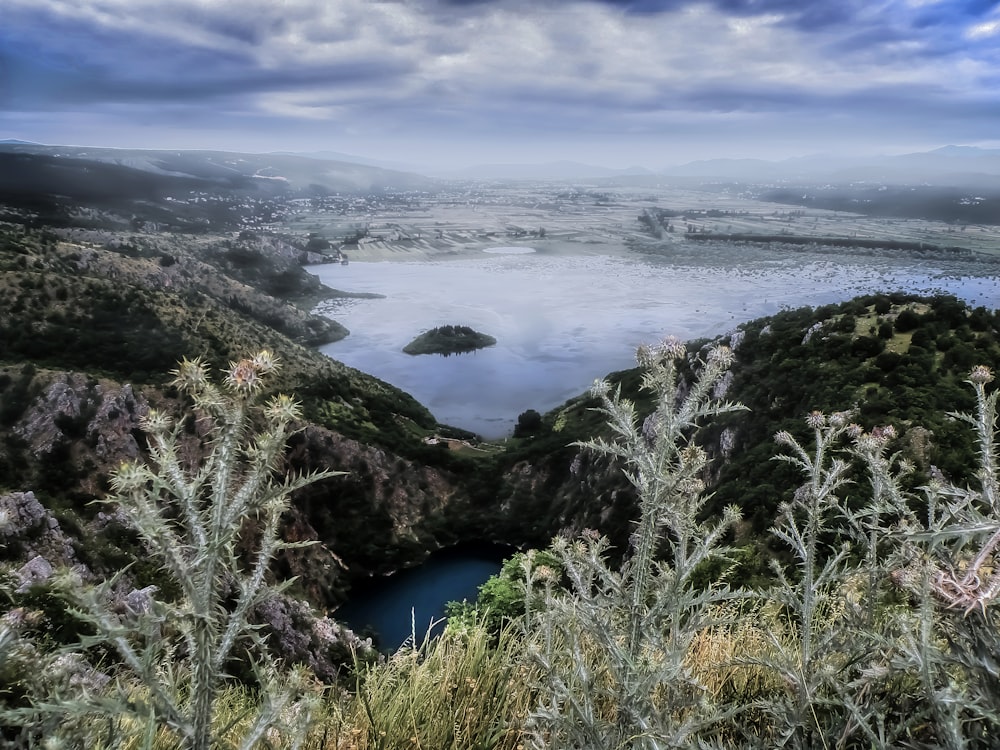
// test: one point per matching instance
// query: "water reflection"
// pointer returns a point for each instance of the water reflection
(561, 321)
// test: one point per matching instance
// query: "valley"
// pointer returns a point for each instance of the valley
(104, 295)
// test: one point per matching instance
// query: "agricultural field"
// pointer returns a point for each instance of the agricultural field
(591, 219)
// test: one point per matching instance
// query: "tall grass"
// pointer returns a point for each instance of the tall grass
(468, 689)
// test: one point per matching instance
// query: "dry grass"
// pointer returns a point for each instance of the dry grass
(463, 690)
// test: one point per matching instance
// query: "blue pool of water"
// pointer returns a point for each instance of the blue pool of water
(410, 600)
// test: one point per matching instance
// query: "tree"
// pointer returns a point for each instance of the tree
(528, 423)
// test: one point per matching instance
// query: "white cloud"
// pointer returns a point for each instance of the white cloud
(983, 30)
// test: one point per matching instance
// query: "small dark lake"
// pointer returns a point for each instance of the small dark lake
(384, 606)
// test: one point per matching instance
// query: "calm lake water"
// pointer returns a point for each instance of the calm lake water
(412, 599)
(561, 321)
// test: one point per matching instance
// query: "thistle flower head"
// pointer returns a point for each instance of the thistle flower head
(155, 422)
(721, 356)
(644, 356)
(265, 362)
(243, 376)
(981, 374)
(600, 388)
(545, 573)
(867, 443)
(129, 476)
(885, 433)
(816, 419)
(839, 419)
(784, 437)
(693, 455)
(191, 375)
(672, 348)
(282, 409)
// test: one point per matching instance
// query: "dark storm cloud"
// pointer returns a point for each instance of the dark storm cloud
(504, 69)
(801, 13)
(125, 68)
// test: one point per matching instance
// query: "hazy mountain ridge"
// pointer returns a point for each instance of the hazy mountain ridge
(245, 171)
(949, 165)
(283, 171)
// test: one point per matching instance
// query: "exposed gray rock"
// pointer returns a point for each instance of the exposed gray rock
(727, 442)
(722, 387)
(118, 412)
(20, 513)
(40, 424)
(108, 416)
(298, 635)
(36, 570)
(33, 530)
(140, 601)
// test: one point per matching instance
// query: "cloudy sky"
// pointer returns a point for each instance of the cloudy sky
(610, 82)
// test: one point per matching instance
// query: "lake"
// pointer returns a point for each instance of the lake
(410, 600)
(563, 320)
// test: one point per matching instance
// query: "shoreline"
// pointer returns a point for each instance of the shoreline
(385, 251)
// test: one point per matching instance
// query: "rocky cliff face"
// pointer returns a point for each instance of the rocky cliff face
(383, 513)
(566, 494)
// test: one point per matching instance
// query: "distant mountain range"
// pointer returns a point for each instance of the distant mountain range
(950, 165)
(333, 171)
(968, 166)
(260, 173)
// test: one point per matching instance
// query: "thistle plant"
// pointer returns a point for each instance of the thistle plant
(198, 519)
(807, 594)
(613, 649)
(951, 641)
(837, 665)
(967, 577)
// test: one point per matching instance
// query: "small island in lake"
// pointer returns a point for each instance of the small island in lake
(449, 340)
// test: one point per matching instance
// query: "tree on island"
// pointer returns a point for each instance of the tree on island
(449, 339)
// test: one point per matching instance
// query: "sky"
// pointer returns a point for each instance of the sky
(615, 83)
